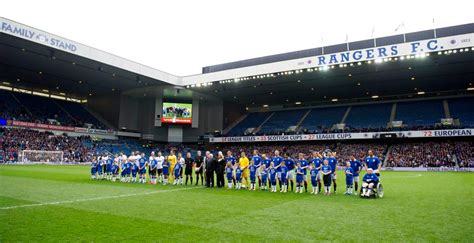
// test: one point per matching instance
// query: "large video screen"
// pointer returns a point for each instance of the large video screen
(178, 113)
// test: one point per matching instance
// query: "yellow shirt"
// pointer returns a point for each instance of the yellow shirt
(244, 162)
(172, 160)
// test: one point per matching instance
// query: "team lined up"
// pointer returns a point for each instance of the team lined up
(267, 172)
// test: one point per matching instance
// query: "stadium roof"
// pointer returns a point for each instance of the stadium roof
(37, 59)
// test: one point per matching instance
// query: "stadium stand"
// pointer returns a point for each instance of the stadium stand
(252, 120)
(462, 109)
(281, 121)
(420, 113)
(369, 116)
(421, 154)
(321, 119)
(32, 108)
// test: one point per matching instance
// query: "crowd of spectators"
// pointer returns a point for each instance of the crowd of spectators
(421, 154)
(464, 152)
(12, 141)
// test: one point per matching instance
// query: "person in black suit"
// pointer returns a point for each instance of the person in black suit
(220, 169)
(199, 168)
(210, 169)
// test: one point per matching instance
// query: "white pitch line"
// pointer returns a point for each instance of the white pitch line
(93, 199)
(413, 176)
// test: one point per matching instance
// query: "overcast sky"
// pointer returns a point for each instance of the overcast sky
(180, 36)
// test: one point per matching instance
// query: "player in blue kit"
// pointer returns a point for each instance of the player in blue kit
(349, 178)
(115, 169)
(333, 163)
(166, 171)
(369, 181)
(277, 159)
(283, 177)
(290, 166)
(273, 177)
(177, 174)
(299, 178)
(123, 173)
(134, 168)
(153, 164)
(253, 175)
(264, 176)
(99, 167)
(304, 166)
(265, 163)
(230, 158)
(317, 164)
(373, 162)
(314, 173)
(229, 174)
(142, 163)
(108, 167)
(93, 169)
(238, 176)
(257, 161)
(326, 170)
(356, 165)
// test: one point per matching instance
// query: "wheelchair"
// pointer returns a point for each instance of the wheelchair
(376, 192)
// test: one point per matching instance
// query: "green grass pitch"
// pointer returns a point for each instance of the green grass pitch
(61, 203)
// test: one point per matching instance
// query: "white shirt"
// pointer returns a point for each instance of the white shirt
(160, 160)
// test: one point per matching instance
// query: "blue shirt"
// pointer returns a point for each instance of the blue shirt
(370, 178)
(304, 164)
(290, 164)
(264, 173)
(257, 160)
(228, 171)
(372, 162)
(314, 174)
(299, 174)
(238, 174)
(230, 159)
(283, 171)
(266, 162)
(153, 164)
(333, 163)
(142, 162)
(356, 165)
(317, 162)
(276, 162)
(326, 169)
(166, 166)
(253, 170)
(349, 170)
(272, 172)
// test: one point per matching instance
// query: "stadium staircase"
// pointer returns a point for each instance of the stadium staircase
(263, 123)
(346, 114)
(20, 103)
(447, 114)
(298, 125)
(234, 123)
(385, 161)
(392, 114)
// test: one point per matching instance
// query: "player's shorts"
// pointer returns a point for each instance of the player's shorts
(253, 179)
(349, 181)
(143, 171)
(290, 175)
(188, 171)
(355, 179)
(230, 178)
(160, 171)
(108, 169)
(327, 180)
(334, 176)
(299, 179)
(245, 174)
(314, 182)
(238, 179)
(283, 178)
(264, 179)
(152, 172)
(198, 172)
(273, 182)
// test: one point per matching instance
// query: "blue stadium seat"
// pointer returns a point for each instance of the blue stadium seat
(252, 120)
(369, 116)
(320, 118)
(281, 120)
(462, 109)
(420, 113)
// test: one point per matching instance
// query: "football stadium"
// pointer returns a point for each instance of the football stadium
(367, 140)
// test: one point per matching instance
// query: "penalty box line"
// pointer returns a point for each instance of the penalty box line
(93, 199)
